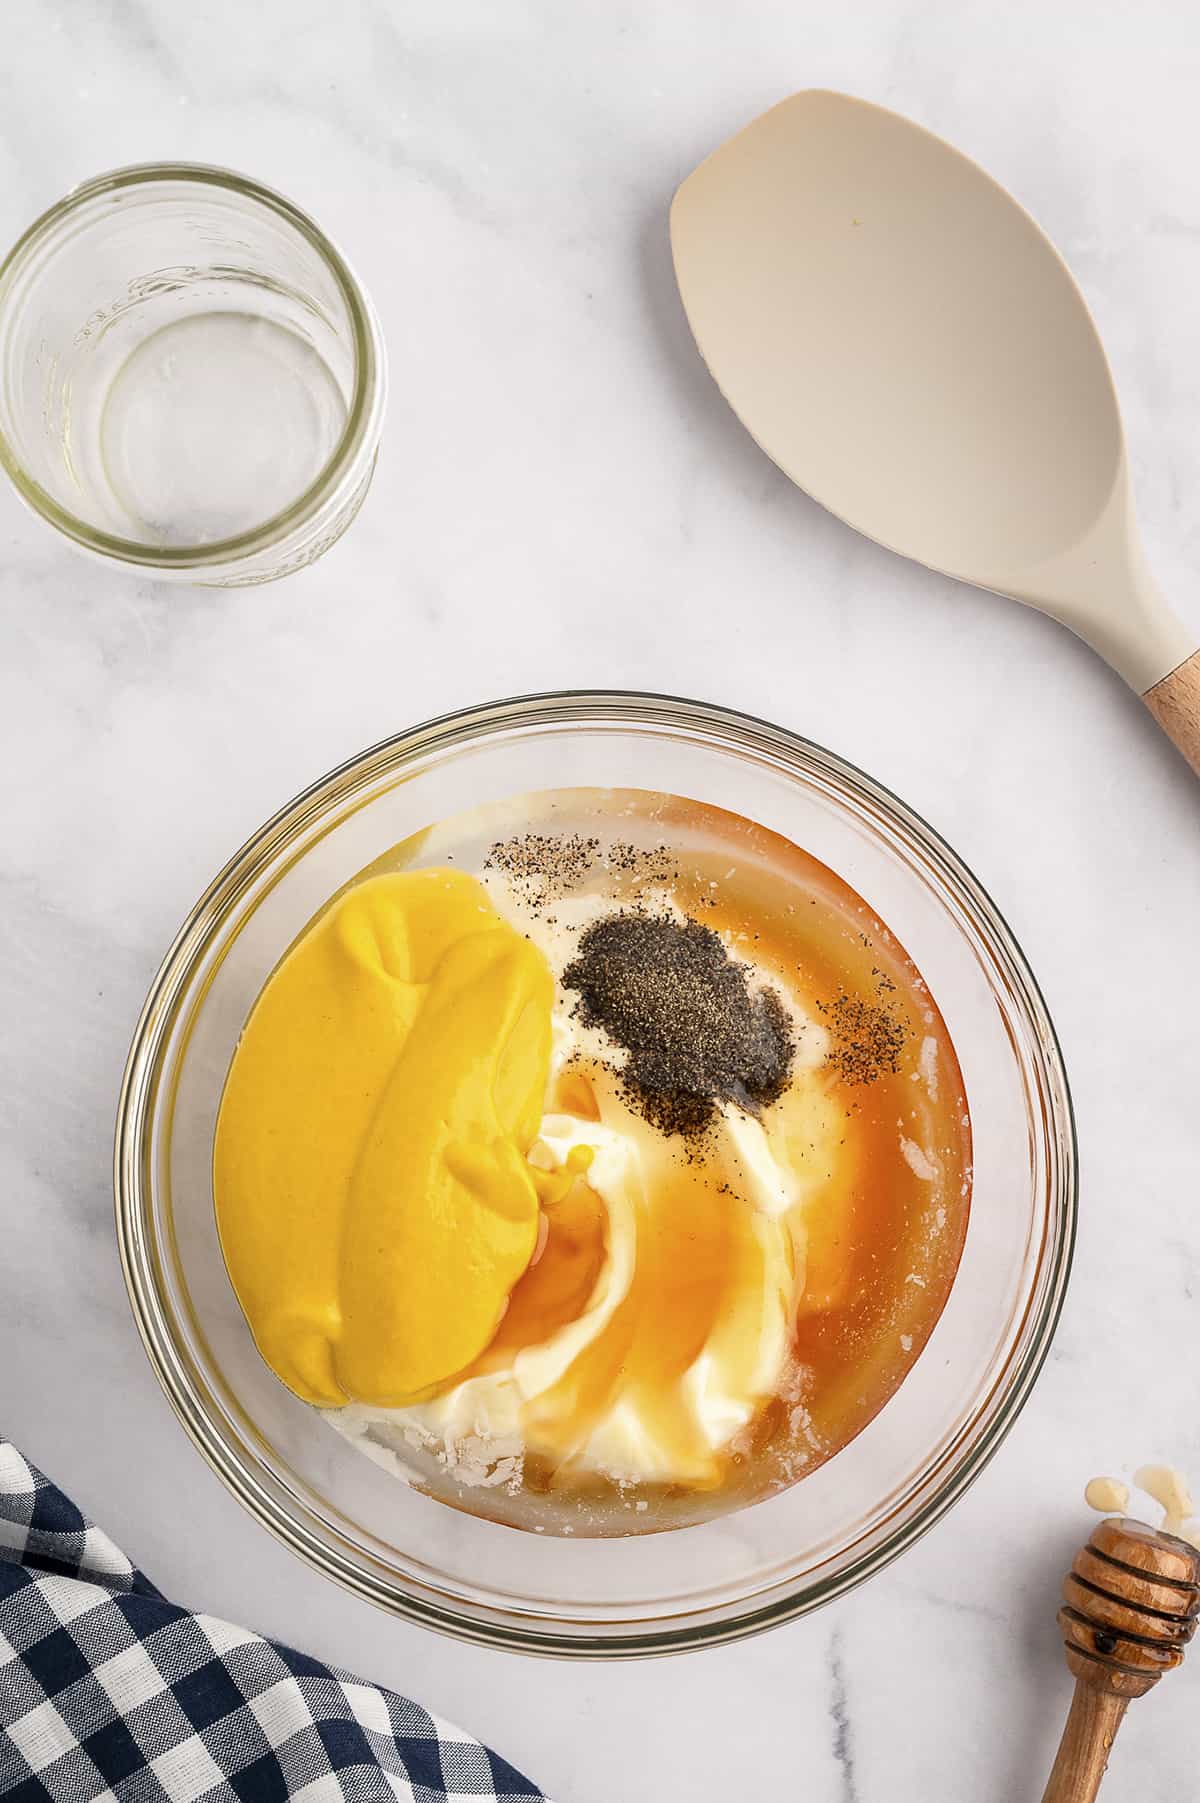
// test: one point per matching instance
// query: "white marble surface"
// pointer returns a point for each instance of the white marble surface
(562, 499)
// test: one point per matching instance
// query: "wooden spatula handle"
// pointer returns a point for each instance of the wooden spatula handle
(1175, 704)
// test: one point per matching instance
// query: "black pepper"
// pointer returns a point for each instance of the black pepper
(867, 1039)
(540, 866)
(696, 1032)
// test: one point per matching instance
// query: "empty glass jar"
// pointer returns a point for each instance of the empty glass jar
(192, 380)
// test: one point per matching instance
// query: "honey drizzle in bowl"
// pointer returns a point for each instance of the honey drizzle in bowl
(881, 1257)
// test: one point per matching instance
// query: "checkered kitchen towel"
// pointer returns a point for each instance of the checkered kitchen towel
(107, 1690)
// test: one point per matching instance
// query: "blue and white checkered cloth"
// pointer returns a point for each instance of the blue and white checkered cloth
(108, 1691)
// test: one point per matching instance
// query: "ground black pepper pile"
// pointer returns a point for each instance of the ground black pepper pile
(696, 1032)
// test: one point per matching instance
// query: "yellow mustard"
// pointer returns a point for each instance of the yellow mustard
(373, 1197)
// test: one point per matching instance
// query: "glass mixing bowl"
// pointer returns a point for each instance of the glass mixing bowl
(695, 1585)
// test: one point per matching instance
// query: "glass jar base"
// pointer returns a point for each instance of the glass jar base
(214, 423)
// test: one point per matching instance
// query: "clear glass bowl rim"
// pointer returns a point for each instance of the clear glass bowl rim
(364, 406)
(384, 760)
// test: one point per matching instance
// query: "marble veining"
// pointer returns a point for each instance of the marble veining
(562, 499)
(839, 1716)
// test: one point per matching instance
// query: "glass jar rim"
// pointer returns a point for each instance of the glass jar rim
(361, 416)
(342, 790)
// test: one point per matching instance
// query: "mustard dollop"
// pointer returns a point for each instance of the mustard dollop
(374, 1200)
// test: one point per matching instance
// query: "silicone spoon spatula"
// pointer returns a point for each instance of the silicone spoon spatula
(909, 347)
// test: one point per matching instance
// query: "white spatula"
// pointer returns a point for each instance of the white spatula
(902, 339)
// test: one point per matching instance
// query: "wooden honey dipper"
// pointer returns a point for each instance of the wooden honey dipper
(1130, 1603)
